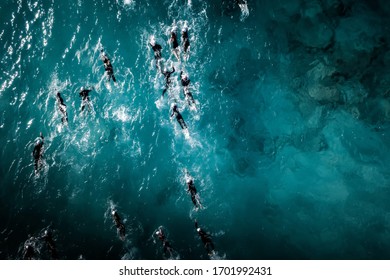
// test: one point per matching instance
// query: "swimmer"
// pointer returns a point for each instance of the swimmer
(206, 239)
(192, 191)
(174, 44)
(84, 93)
(62, 107)
(185, 40)
(48, 238)
(108, 66)
(178, 116)
(188, 96)
(38, 152)
(157, 52)
(166, 245)
(167, 75)
(185, 82)
(28, 252)
(119, 225)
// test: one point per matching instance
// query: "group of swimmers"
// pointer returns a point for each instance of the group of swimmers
(29, 250)
(185, 82)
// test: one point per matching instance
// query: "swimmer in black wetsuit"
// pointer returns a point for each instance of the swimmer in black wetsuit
(166, 245)
(48, 238)
(167, 75)
(157, 52)
(28, 252)
(174, 44)
(119, 225)
(185, 39)
(178, 116)
(62, 108)
(84, 93)
(185, 82)
(38, 152)
(188, 96)
(206, 239)
(108, 66)
(194, 195)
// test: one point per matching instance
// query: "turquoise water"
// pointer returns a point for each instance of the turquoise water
(288, 147)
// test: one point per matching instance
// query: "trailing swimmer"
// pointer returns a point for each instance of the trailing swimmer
(84, 93)
(166, 245)
(178, 116)
(29, 250)
(119, 225)
(167, 74)
(206, 239)
(47, 236)
(38, 152)
(62, 108)
(157, 52)
(108, 66)
(174, 44)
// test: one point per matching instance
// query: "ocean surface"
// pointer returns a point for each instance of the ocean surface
(288, 145)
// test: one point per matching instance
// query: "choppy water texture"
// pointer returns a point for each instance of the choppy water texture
(288, 147)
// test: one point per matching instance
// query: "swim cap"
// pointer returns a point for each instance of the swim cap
(198, 229)
(82, 88)
(157, 232)
(189, 180)
(113, 212)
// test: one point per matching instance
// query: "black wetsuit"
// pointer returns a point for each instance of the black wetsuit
(192, 191)
(188, 96)
(206, 238)
(179, 117)
(37, 152)
(85, 98)
(48, 237)
(157, 52)
(29, 252)
(108, 67)
(166, 245)
(185, 40)
(62, 108)
(185, 82)
(174, 42)
(119, 225)
(167, 75)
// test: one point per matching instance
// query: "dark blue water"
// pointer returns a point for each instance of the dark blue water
(288, 147)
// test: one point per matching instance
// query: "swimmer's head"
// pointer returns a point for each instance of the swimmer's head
(82, 88)
(152, 41)
(198, 229)
(113, 212)
(189, 180)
